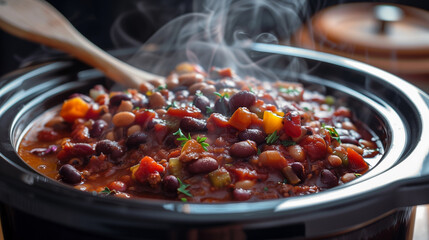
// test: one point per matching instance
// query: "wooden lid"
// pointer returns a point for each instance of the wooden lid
(393, 37)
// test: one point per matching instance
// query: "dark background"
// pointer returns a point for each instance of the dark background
(95, 18)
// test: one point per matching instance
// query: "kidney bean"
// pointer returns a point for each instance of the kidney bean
(181, 95)
(109, 147)
(348, 177)
(202, 103)
(328, 178)
(118, 98)
(224, 83)
(222, 106)
(208, 90)
(298, 169)
(297, 152)
(125, 106)
(255, 135)
(240, 194)
(123, 119)
(203, 165)
(187, 79)
(190, 124)
(135, 139)
(349, 139)
(70, 174)
(156, 100)
(172, 81)
(197, 87)
(242, 99)
(170, 184)
(133, 129)
(243, 149)
(334, 160)
(82, 150)
(98, 128)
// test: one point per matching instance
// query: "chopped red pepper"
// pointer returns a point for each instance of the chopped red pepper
(185, 112)
(356, 161)
(147, 167)
(292, 124)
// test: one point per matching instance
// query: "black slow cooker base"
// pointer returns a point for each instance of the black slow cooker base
(19, 225)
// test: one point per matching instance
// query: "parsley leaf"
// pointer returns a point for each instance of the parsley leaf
(334, 134)
(289, 90)
(288, 143)
(201, 140)
(106, 191)
(182, 188)
(358, 175)
(225, 95)
(182, 136)
(171, 105)
(209, 110)
(272, 138)
(161, 87)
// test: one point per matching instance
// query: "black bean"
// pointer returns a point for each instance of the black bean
(242, 99)
(240, 194)
(328, 178)
(190, 124)
(298, 169)
(222, 106)
(243, 149)
(203, 165)
(118, 98)
(349, 139)
(151, 124)
(97, 128)
(108, 147)
(202, 103)
(70, 174)
(255, 135)
(170, 184)
(135, 139)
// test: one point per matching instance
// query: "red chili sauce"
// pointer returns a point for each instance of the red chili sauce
(202, 137)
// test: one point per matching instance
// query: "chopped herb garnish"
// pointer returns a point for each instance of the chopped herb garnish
(209, 110)
(334, 134)
(288, 143)
(265, 189)
(182, 188)
(225, 95)
(137, 108)
(330, 100)
(184, 199)
(161, 87)
(171, 105)
(182, 136)
(285, 181)
(259, 151)
(201, 140)
(306, 109)
(272, 138)
(199, 93)
(289, 90)
(106, 191)
(358, 175)
(251, 89)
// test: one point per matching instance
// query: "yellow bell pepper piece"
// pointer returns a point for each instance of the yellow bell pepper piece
(271, 122)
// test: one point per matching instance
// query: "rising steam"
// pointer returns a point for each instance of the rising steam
(216, 32)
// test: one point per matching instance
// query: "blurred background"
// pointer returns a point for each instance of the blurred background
(114, 24)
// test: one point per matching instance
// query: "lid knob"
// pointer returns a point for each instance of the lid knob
(386, 14)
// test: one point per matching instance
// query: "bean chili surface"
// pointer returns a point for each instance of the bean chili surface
(203, 137)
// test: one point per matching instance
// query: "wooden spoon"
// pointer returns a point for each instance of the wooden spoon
(37, 21)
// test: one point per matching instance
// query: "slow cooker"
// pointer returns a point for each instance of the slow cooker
(378, 205)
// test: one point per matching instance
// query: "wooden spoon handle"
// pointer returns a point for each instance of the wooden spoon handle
(38, 21)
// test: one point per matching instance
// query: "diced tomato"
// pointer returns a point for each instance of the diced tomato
(185, 112)
(161, 131)
(292, 124)
(356, 161)
(315, 146)
(226, 72)
(245, 173)
(241, 119)
(216, 121)
(256, 121)
(93, 112)
(117, 186)
(143, 116)
(191, 150)
(147, 167)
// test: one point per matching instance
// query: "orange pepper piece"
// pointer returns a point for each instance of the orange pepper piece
(241, 119)
(73, 109)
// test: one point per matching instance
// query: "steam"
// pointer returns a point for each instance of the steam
(215, 34)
